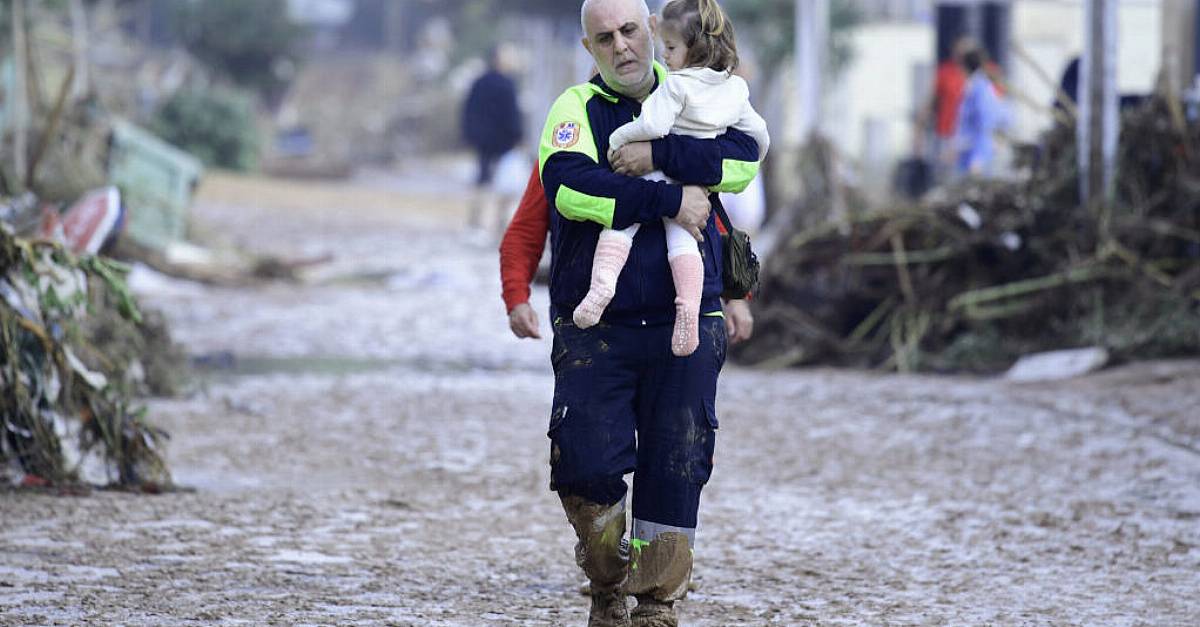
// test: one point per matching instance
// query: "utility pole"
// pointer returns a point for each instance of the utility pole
(79, 41)
(1098, 126)
(19, 98)
(812, 34)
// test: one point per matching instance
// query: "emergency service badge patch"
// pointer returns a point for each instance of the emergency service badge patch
(566, 135)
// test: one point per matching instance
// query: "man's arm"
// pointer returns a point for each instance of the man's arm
(523, 243)
(583, 190)
(739, 321)
(523, 322)
(580, 188)
(659, 112)
(725, 164)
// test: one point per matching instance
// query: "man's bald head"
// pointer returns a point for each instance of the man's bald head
(583, 11)
(619, 34)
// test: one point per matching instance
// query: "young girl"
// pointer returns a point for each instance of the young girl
(700, 98)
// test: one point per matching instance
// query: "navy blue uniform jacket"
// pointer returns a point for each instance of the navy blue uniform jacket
(586, 196)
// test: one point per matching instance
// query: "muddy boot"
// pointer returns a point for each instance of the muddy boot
(602, 555)
(609, 609)
(651, 612)
(660, 573)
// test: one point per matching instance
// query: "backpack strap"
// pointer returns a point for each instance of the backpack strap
(723, 217)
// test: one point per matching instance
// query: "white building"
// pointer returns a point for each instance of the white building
(870, 110)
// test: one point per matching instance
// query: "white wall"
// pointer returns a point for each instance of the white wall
(879, 85)
(1051, 31)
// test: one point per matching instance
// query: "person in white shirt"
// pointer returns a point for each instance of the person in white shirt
(700, 98)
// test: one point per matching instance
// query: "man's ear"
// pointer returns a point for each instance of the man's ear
(653, 25)
(587, 45)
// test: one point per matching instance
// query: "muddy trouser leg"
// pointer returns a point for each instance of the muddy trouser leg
(676, 440)
(592, 446)
(600, 530)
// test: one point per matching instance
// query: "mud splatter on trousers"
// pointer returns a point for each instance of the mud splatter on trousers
(623, 403)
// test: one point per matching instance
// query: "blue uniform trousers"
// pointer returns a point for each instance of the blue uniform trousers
(623, 403)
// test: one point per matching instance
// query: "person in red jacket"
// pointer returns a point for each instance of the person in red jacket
(521, 250)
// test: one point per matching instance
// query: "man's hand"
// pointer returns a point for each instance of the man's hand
(523, 321)
(739, 322)
(636, 159)
(693, 211)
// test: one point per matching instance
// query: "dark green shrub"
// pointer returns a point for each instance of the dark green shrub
(252, 42)
(215, 125)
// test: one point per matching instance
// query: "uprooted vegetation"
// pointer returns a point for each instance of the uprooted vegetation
(75, 353)
(975, 275)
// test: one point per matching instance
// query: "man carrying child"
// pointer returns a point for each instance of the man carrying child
(622, 401)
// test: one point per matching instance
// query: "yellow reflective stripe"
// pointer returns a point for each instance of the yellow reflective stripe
(736, 175)
(570, 108)
(660, 72)
(715, 314)
(579, 206)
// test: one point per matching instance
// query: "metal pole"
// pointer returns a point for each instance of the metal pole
(1192, 38)
(1097, 130)
(812, 32)
(79, 40)
(19, 97)
(1110, 135)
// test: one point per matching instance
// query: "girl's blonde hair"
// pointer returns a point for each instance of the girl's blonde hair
(705, 30)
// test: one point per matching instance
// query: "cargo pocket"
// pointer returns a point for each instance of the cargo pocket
(714, 340)
(558, 418)
(722, 344)
(704, 445)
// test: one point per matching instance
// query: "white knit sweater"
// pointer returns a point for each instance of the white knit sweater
(698, 102)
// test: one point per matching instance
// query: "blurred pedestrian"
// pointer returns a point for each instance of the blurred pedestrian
(981, 115)
(1068, 85)
(491, 125)
(949, 84)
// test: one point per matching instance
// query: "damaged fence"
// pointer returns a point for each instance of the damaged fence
(67, 387)
(974, 276)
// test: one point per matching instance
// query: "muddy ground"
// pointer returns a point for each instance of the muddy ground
(372, 450)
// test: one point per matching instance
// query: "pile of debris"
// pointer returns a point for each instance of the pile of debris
(974, 276)
(72, 348)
